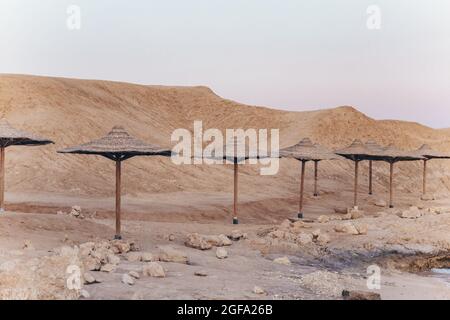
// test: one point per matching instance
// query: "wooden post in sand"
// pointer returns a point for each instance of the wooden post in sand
(391, 186)
(316, 174)
(370, 177)
(425, 177)
(2, 179)
(118, 198)
(355, 201)
(302, 188)
(235, 195)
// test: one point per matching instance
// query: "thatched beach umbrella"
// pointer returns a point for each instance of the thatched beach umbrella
(118, 146)
(392, 155)
(376, 148)
(10, 136)
(305, 151)
(428, 153)
(356, 152)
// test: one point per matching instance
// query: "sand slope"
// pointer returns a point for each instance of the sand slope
(73, 111)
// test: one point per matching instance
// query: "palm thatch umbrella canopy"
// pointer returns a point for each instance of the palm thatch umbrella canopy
(428, 153)
(376, 148)
(9, 136)
(356, 152)
(393, 155)
(237, 152)
(118, 146)
(305, 151)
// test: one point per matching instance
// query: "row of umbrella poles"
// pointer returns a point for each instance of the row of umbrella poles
(119, 146)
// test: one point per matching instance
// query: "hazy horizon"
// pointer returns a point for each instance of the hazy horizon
(290, 55)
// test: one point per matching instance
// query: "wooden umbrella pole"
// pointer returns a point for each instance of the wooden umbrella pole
(2, 179)
(391, 186)
(235, 218)
(425, 177)
(316, 178)
(370, 177)
(118, 198)
(355, 201)
(302, 188)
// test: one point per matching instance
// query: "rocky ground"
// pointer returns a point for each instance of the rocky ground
(70, 256)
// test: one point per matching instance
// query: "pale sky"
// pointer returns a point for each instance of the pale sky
(287, 54)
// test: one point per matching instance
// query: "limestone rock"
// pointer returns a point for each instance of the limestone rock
(282, 260)
(323, 239)
(134, 256)
(347, 228)
(356, 213)
(412, 213)
(148, 257)
(259, 290)
(381, 203)
(169, 254)
(153, 269)
(323, 219)
(237, 235)
(127, 279)
(134, 274)
(221, 253)
(84, 294)
(89, 278)
(304, 238)
(197, 241)
(113, 259)
(108, 268)
(201, 273)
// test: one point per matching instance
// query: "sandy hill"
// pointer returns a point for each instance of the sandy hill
(72, 111)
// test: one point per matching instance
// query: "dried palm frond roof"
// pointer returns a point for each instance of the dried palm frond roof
(305, 150)
(373, 146)
(237, 151)
(118, 145)
(357, 151)
(427, 152)
(10, 136)
(392, 154)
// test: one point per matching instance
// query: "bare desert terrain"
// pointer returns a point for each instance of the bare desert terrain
(176, 219)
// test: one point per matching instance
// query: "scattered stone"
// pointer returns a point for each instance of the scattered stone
(169, 254)
(221, 253)
(286, 225)
(121, 246)
(127, 279)
(153, 269)
(89, 279)
(347, 227)
(316, 233)
(259, 290)
(84, 294)
(304, 238)
(412, 213)
(148, 257)
(237, 235)
(201, 273)
(360, 295)
(380, 203)
(197, 241)
(323, 219)
(113, 259)
(76, 212)
(323, 239)
(108, 268)
(171, 237)
(134, 256)
(356, 214)
(283, 260)
(134, 274)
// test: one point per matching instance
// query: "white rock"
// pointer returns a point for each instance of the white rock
(113, 259)
(84, 294)
(347, 227)
(323, 239)
(134, 274)
(108, 267)
(169, 254)
(323, 219)
(148, 257)
(89, 278)
(259, 290)
(134, 256)
(153, 269)
(282, 260)
(127, 279)
(221, 253)
(304, 238)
